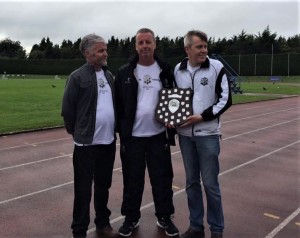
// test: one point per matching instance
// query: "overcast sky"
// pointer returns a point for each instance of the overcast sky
(30, 21)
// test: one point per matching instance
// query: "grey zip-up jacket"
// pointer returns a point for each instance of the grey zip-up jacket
(80, 102)
(211, 98)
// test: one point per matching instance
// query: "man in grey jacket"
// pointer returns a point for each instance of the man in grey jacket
(199, 135)
(89, 116)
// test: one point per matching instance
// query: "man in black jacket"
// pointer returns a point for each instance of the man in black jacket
(144, 141)
(89, 116)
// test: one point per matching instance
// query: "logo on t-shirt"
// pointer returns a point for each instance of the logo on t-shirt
(147, 79)
(101, 83)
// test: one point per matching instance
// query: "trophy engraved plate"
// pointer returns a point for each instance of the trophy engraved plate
(174, 106)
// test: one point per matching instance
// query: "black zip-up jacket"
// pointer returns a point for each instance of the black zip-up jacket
(126, 86)
(80, 102)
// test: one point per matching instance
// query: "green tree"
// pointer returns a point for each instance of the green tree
(265, 40)
(44, 50)
(11, 49)
(294, 43)
(76, 50)
(66, 49)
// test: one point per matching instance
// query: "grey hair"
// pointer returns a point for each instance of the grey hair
(145, 30)
(88, 41)
(188, 38)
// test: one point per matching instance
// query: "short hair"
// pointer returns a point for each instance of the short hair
(188, 38)
(145, 30)
(88, 41)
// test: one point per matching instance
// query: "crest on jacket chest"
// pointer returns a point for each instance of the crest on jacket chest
(127, 81)
(204, 81)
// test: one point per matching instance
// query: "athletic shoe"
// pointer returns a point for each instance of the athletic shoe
(169, 226)
(127, 228)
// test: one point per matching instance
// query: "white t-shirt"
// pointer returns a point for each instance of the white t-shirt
(105, 115)
(145, 124)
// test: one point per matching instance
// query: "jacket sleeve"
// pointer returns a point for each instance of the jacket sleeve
(223, 94)
(118, 90)
(69, 103)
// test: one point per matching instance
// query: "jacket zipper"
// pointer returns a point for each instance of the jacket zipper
(193, 83)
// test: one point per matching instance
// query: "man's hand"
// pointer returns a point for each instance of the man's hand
(189, 121)
(192, 120)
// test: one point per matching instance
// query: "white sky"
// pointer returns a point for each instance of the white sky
(30, 21)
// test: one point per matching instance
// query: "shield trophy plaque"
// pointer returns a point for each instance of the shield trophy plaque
(174, 106)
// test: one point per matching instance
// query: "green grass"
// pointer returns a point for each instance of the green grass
(27, 104)
(32, 103)
(261, 88)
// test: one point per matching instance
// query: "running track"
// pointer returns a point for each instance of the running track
(259, 179)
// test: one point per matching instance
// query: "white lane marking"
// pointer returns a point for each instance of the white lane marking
(276, 104)
(34, 162)
(259, 115)
(226, 138)
(284, 223)
(66, 138)
(260, 129)
(40, 191)
(225, 172)
(26, 144)
(258, 158)
(117, 169)
(34, 193)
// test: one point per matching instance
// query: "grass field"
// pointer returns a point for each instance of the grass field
(35, 101)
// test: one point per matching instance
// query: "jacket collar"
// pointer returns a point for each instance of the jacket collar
(91, 67)
(134, 60)
(183, 64)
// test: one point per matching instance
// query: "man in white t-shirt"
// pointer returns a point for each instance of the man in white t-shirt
(89, 116)
(144, 141)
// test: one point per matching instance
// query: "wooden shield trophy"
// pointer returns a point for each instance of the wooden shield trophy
(174, 106)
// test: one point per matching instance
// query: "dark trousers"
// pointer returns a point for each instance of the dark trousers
(92, 163)
(153, 152)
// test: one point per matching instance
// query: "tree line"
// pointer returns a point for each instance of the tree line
(266, 42)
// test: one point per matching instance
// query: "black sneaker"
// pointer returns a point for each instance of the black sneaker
(191, 233)
(127, 228)
(168, 225)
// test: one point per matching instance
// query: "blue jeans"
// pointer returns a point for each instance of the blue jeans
(201, 163)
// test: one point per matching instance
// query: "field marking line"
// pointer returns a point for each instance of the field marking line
(260, 129)
(259, 115)
(258, 158)
(284, 223)
(34, 162)
(41, 191)
(175, 194)
(232, 109)
(38, 143)
(34, 144)
(221, 174)
(34, 193)
(226, 138)
(66, 138)
(271, 216)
